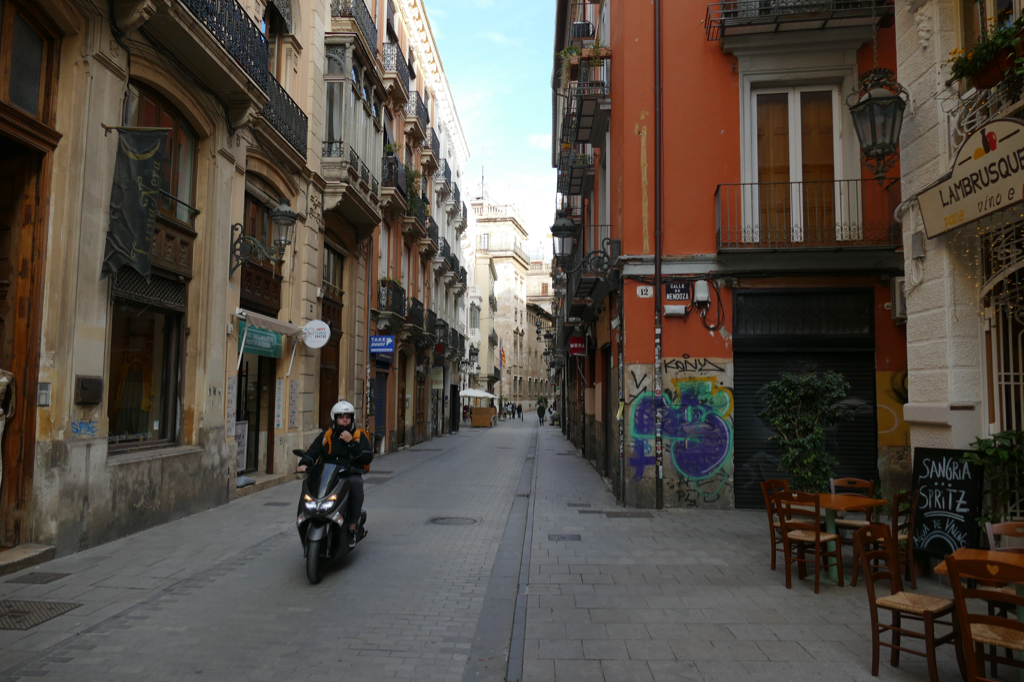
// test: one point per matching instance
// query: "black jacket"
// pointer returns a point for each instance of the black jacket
(355, 454)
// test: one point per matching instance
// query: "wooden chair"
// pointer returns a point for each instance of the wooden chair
(904, 511)
(878, 557)
(800, 516)
(996, 531)
(768, 489)
(978, 629)
(1010, 529)
(861, 488)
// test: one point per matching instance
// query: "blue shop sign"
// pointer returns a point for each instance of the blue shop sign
(382, 344)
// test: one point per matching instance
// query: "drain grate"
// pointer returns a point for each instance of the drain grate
(590, 511)
(453, 521)
(38, 578)
(24, 615)
(277, 504)
(563, 538)
(629, 515)
(523, 495)
(578, 504)
(565, 454)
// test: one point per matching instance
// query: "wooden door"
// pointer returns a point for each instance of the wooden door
(328, 381)
(818, 166)
(400, 414)
(773, 172)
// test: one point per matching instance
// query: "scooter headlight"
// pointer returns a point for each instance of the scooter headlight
(327, 504)
(309, 503)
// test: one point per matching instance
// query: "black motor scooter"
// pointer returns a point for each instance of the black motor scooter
(322, 525)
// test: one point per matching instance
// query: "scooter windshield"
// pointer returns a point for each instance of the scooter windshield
(328, 479)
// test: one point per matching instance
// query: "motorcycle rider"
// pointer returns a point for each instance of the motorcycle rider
(349, 447)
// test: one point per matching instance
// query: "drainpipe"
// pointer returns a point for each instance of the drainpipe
(366, 328)
(622, 409)
(659, 489)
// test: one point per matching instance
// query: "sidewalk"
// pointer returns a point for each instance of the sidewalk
(683, 595)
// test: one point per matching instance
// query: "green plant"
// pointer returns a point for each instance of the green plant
(595, 52)
(412, 180)
(799, 409)
(566, 56)
(1000, 457)
(393, 149)
(964, 63)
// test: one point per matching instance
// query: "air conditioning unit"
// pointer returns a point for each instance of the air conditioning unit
(899, 299)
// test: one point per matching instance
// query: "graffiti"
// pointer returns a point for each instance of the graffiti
(642, 458)
(81, 427)
(638, 384)
(696, 428)
(688, 364)
(699, 493)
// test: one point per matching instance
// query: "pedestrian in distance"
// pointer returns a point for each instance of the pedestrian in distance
(519, 408)
(540, 414)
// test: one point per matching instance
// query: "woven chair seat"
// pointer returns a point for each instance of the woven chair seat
(912, 602)
(998, 636)
(852, 524)
(808, 536)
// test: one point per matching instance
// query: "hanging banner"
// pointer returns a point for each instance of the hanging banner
(382, 344)
(259, 341)
(577, 345)
(134, 199)
(987, 176)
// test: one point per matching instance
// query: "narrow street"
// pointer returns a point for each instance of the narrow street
(672, 595)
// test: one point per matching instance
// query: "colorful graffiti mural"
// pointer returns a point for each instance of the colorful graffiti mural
(696, 428)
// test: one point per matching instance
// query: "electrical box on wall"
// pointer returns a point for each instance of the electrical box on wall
(898, 307)
(88, 390)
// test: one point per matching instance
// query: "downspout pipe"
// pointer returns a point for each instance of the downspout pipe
(659, 489)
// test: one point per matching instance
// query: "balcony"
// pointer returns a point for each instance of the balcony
(456, 196)
(396, 74)
(836, 215)
(977, 108)
(413, 320)
(459, 219)
(390, 305)
(352, 16)
(431, 321)
(593, 106)
(749, 17)
(441, 331)
(576, 174)
(583, 21)
(428, 244)
(286, 118)
(494, 304)
(415, 222)
(493, 338)
(591, 279)
(443, 178)
(431, 154)
(451, 277)
(394, 191)
(351, 192)
(417, 120)
(442, 259)
(499, 248)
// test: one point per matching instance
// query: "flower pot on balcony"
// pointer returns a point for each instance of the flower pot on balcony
(993, 72)
(596, 52)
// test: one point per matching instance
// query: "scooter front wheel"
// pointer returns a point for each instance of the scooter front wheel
(313, 569)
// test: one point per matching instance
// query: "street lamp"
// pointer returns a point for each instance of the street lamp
(246, 248)
(563, 236)
(877, 109)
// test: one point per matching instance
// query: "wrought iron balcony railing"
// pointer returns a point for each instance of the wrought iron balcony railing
(444, 172)
(418, 210)
(453, 337)
(356, 9)
(465, 213)
(393, 175)
(333, 149)
(431, 322)
(432, 230)
(744, 17)
(455, 194)
(415, 313)
(394, 60)
(432, 143)
(238, 34)
(573, 173)
(493, 337)
(441, 330)
(496, 246)
(453, 263)
(462, 276)
(391, 297)
(285, 115)
(417, 108)
(445, 249)
(837, 214)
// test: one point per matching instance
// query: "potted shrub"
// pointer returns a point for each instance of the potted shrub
(1000, 457)
(799, 409)
(991, 58)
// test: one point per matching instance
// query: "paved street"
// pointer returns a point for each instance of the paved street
(222, 595)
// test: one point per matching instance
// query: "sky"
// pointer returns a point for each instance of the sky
(497, 55)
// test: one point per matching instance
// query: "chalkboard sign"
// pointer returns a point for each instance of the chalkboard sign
(950, 503)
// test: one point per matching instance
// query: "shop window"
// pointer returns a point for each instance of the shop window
(142, 401)
(29, 49)
(144, 108)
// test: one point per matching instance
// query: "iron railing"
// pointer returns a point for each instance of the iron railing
(394, 60)
(364, 172)
(353, 159)
(833, 214)
(583, 21)
(455, 194)
(494, 302)
(415, 313)
(441, 330)
(445, 249)
(431, 322)
(499, 245)
(238, 34)
(417, 108)
(462, 275)
(453, 337)
(333, 149)
(432, 228)
(744, 17)
(393, 175)
(356, 9)
(285, 115)
(391, 297)
(444, 172)
(432, 142)
(493, 337)
(465, 214)
(374, 186)
(417, 210)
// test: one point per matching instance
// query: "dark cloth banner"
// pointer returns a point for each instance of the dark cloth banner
(135, 199)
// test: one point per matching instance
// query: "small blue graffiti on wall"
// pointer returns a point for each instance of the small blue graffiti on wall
(643, 456)
(81, 427)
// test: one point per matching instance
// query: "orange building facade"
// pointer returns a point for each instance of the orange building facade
(779, 251)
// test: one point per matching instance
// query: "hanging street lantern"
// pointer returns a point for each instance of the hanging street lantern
(563, 236)
(283, 220)
(877, 109)
(247, 248)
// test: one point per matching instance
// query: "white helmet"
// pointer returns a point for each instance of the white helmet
(343, 407)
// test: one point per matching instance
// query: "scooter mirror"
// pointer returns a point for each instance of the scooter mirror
(298, 453)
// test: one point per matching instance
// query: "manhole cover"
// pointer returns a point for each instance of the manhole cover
(24, 615)
(453, 521)
(38, 578)
(277, 504)
(563, 538)
(578, 504)
(629, 515)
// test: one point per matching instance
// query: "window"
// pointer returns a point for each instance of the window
(257, 220)
(30, 51)
(144, 360)
(474, 317)
(485, 240)
(334, 264)
(146, 109)
(274, 28)
(543, 289)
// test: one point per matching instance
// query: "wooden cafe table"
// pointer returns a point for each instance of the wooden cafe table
(843, 503)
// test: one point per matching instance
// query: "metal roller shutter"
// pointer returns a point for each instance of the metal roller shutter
(854, 444)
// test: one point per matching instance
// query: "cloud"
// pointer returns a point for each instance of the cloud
(540, 141)
(501, 39)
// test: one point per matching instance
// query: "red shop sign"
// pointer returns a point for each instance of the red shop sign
(577, 345)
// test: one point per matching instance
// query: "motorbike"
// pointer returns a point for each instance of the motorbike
(321, 520)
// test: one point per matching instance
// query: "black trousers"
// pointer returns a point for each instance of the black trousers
(355, 498)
